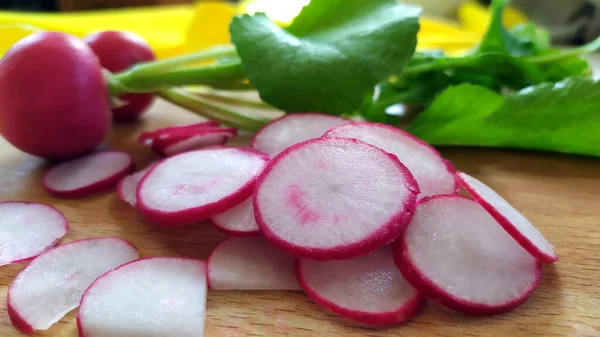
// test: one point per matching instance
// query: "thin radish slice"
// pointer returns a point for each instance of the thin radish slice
(334, 198)
(87, 175)
(127, 188)
(238, 221)
(168, 131)
(434, 174)
(454, 252)
(367, 289)
(149, 297)
(513, 222)
(197, 185)
(251, 264)
(52, 284)
(193, 140)
(28, 229)
(292, 129)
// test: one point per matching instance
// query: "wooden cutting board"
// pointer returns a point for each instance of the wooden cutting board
(560, 194)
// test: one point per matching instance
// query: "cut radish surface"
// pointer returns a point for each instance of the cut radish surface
(250, 263)
(334, 198)
(28, 229)
(168, 132)
(434, 174)
(292, 129)
(90, 174)
(149, 297)
(127, 188)
(367, 289)
(453, 251)
(196, 185)
(513, 222)
(193, 141)
(238, 221)
(52, 284)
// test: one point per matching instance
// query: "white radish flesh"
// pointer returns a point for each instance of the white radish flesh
(53, 283)
(334, 198)
(251, 264)
(193, 143)
(238, 221)
(146, 298)
(197, 185)
(292, 129)
(434, 174)
(367, 289)
(513, 222)
(87, 175)
(28, 229)
(148, 137)
(127, 188)
(453, 251)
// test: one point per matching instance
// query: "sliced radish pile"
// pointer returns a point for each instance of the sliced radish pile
(53, 283)
(127, 188)
(148, 137)
(148, 297)
(238, 221)
(292, 129)
(250, 263)
(193, 140)
(453, 251)
(90, 174)
(434, 174)
(196, 185)
(334, 198)
(28, 229)
(367, 289)
(513, 222)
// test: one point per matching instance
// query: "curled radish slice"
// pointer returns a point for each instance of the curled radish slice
(292, 129)
(250, 263)
(454, 252)
(148, 297)
(434, 174)
(513, 222)
(334, 198)
(87, 175)
(127, 187)
(193, 140)
(367, 289)
(28, 229)
(238, 221)
(52, 284)
(170, 131)
(197, 185)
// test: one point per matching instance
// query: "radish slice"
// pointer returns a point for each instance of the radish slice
(238, 221)
(28, 229)
(252, 264)
(193, 141)
(52, 284)
(149, 297)
(434, 174)
(87, 175)
(334, 198)
(454, 252)
(292, 129)
(127, 188)
(197, 185)
(367, 289)
(149, 136)
(513, 222)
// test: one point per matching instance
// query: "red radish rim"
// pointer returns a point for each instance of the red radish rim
(65, 223)
(78, 317)
(190, 215)
(150, 135)
(233, 232)
(161, 146)
(428, 288)
(511, 229)
(181, 135)
(407, 311)
(253, 141)
(15, 317)
(391, 230)
(96, 187)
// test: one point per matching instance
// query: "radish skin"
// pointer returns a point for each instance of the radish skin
(149, 136)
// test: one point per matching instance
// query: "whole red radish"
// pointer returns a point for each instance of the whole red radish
(118, 51)
(54, 98)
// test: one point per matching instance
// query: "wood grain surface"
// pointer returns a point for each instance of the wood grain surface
(558, 193)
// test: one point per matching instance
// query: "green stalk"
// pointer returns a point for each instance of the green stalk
(579, 51)
(212, 112)
(232, 100)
